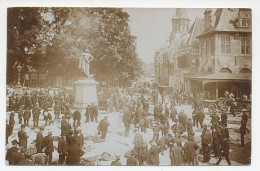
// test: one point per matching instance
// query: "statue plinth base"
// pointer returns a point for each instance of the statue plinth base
(86, 93)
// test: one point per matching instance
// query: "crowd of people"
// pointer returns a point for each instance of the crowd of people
(142, 108)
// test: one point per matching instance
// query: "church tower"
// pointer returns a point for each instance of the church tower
(180, 24)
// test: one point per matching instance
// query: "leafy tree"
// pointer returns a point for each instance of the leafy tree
(56, 38)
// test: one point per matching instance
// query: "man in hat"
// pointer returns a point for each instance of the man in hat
(76, 118)
(39, 139)
(190, 127)
(117, 161)
(48, 145)
(11, 119)
(215, 141)
(173, 113)
(190, 149)
(132, 161)
(57, 109)
(143, 155)
(65, 126)
(20, 114)
(214, 119)
(138, 140)
(156, 130)
(81, 138)
(244, 116)
(14, 148)
(18, 158)
(87, 113)
(92, 112)
(9, 131)
(154, 154)
(26, 116)
(70, 137)
(224, 118)
(127, 121)
(243, 131)
(36, 114)
(95, 112)
(22, 137)
(74, 154)
(103, 127)
(176, 155)
(62, 149)
(183, 119)
(224, 151)
(206, 141)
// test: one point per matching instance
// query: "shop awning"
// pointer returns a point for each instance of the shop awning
(223, 77)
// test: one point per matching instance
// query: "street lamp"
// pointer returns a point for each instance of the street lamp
(19, 69)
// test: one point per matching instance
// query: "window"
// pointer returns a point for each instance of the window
(207, 47)
(245, 45)
(212, 46)
(246, 22)
(225, 45)
(203, 48)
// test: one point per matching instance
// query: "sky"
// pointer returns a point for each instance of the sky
(152, 27)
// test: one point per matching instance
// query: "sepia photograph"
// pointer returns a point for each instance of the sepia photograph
(92, 86)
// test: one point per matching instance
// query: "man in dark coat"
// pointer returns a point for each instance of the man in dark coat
(39, 140)
(9, 131)
(190, 148)
(243, 131)
(57, 109)
(18, 158)
(143, 155)
(92, 112)
(206, 142)
(26, 116)
(173, 114)
(65, 126)
(224, 118)
(154, 155)
(22, 137)
(95, 113)
(87, 113)
(70, 138)
(103, 127)
(76, 118)
(224, 151)
(11, 119)
(214, 119)
(62, 149)
(20, 114)
(36, 114)
(244, 116)
(74, 154)
(216, 141)
(14, 148)
(132, 161)
(127, 121)
(48, 145)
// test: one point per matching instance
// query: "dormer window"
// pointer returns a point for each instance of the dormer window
(245, 19)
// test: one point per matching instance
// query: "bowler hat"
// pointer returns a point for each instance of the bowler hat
(14, 142)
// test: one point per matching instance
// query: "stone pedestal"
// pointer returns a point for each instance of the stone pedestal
(86, 93)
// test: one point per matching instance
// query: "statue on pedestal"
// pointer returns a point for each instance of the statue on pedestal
(84, 63)
(86, 92)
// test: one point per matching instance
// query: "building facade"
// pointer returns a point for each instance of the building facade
(179, 59)
(225, 51)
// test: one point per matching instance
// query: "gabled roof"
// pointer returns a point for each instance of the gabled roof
(225, 19)
(195, 30)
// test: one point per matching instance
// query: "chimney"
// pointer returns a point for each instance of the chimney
(207, 19)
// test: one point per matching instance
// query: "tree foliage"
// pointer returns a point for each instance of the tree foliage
(62, 35)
